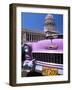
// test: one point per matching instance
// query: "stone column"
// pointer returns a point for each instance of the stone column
(24, 37)
(31, 37)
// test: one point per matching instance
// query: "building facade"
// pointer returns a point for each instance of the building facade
(49, 32)
(31, 36)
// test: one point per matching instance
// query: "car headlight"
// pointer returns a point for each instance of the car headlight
(26, 49)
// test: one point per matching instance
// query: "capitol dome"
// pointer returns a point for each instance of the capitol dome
(49, 16)
(49, 20)
(49, 25)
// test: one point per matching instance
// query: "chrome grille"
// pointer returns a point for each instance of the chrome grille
(49, 57)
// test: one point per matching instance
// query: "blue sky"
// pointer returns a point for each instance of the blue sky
(35, 21)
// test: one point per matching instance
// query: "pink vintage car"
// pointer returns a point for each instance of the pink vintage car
(48, 53)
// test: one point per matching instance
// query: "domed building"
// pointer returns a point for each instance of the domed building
(50, 26)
